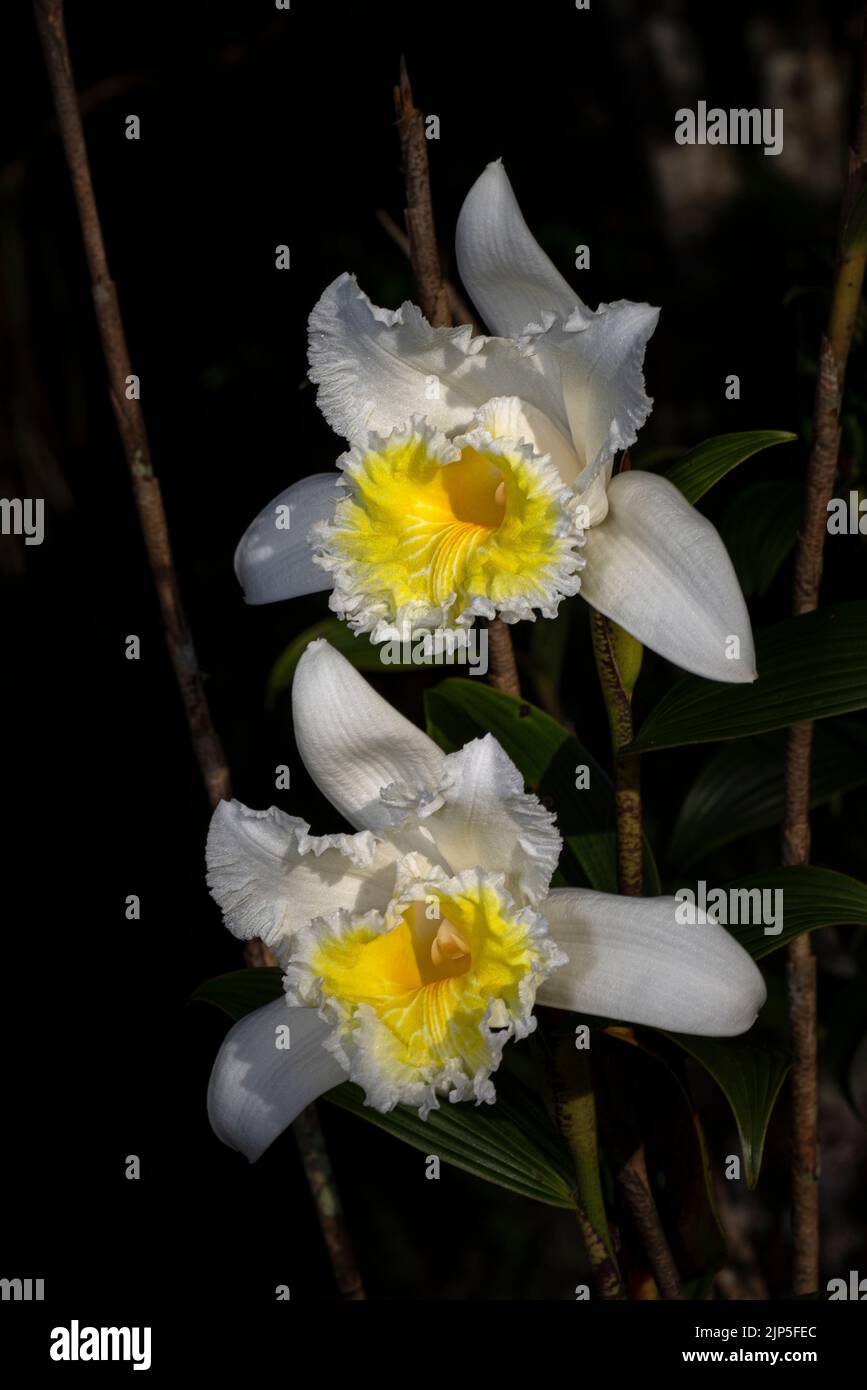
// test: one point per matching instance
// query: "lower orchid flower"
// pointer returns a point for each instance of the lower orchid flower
(478, 481)
(415, 948)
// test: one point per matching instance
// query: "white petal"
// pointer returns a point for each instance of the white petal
(351, 740)
(507, 417)
(257, 1089)
(600, 359)
(630, 959)
(270, 876)
(377, 368)
(504, 269)
(659, 569)
(593, 500)
(274, 563)
(486, 818)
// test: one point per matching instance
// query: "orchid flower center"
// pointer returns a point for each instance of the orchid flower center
(426, 519)
(431, 539)
(440, 519)
(449, 962)
(449, 946)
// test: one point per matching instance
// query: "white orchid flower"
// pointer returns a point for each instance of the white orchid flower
(413, 949)
(478, 481)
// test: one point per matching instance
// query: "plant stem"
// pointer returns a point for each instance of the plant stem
(152, 519)
(434, 298)
(821, 473)
(128, 412)
(423, 249)
(332, 1222)
(575, 1109)
(504, 669)
(458, 307)
(618, 661)
(635, 1185)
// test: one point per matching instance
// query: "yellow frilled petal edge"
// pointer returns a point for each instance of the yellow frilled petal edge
(424, 998)
(434, 533)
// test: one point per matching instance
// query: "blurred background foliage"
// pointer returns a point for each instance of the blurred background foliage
(261, 128)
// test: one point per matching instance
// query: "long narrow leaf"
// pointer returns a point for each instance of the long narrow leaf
(809, 667)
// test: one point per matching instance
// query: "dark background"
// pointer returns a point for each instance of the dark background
(261, 128)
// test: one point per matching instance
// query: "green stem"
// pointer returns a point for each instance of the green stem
(618, 661)
(575, 1108)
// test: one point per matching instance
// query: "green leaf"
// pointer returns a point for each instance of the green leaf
(759, 530)
(704, 465)
(549, 645)
(654, 460)
(750, 1077)
(510, 1143)
(241, 991)
(547, 756)
(812, 897)
(363, 654)
(809, 667)
(740, 788)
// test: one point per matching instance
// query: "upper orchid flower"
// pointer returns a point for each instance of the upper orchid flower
(479, 478)
(416, 947)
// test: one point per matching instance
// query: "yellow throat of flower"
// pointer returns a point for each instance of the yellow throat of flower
(431, 978)
(428, 537)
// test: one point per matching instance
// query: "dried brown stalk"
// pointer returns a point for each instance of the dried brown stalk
(821, 472)
(434, 299)
(504, 668)
(635, 1186)
(152, 519)
(458, 307)
(423, 249)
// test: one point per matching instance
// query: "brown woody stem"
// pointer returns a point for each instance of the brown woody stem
(434, 298)
(821, 473)
(635, 1186)
(423, 250)
(504, 669)
(458, 307)
(154, 526)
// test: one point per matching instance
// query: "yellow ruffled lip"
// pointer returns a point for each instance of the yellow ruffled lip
(429, 977)
(425, 997)
(435, 532)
